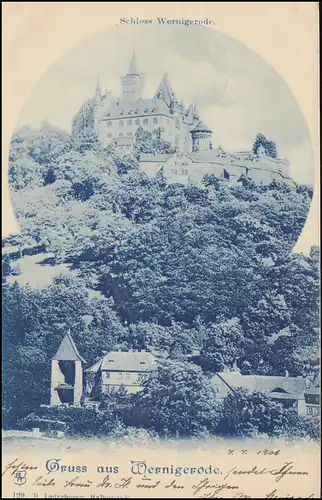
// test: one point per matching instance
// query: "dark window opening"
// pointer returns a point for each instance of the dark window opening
(68, 370)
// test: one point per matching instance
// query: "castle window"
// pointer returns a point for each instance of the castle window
(155, 120)
(109, 134)
(184, 172)
(146, 110)
(129, 122)
(107, 374)
(108, 124)
(129, 133)
(177, 121)
(137, 121)
(121, 123)
(128, 375)
(119, 375)
(145, 120)
(121, 134)
(161, 129)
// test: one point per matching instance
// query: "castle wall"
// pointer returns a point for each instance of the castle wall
(184, 170)
(120, 128)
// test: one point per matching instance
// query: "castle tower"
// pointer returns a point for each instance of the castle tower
(67, 368)
(201, 137)
(97, 105)
(132, 82)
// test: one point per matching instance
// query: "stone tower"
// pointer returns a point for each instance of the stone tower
(132, 83)
(67, 368)
(201, 137)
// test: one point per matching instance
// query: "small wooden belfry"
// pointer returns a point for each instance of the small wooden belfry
(67, 367)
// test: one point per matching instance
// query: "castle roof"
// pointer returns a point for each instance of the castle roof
(137, 361)
(165, 90)
(157, 157)
(141, 107)
(201, 127)
(67, 350)
(278, 387)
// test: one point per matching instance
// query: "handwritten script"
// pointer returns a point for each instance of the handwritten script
(263, 474)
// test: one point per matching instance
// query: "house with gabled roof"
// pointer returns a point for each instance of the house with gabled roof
(290, 391)
(313, 397)
(117, 368)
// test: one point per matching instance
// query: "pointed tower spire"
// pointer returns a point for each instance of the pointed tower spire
(98, 94)
(132, 82)
(133, 69)
(67, 351)
(165, 91)
(195, 111)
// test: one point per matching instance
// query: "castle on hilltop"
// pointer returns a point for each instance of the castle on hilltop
(194, 154)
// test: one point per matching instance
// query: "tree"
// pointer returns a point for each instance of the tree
(86, 140)
(177, 400)
(222, 345)
(269, 146)
(148, 143)
(247, 414)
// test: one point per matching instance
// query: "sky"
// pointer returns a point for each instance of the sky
(237, 93)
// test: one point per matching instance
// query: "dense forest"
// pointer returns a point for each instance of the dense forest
(176, 269)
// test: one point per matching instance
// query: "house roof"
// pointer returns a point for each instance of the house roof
(67, 351)
(294, 387)
(313, 391)
(158, 157)
(315, 387)
(136, 361)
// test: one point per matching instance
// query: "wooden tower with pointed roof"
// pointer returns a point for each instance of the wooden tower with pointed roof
(67, 368)
(132, 82)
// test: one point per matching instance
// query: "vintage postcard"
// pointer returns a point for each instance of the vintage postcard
(160, 250)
